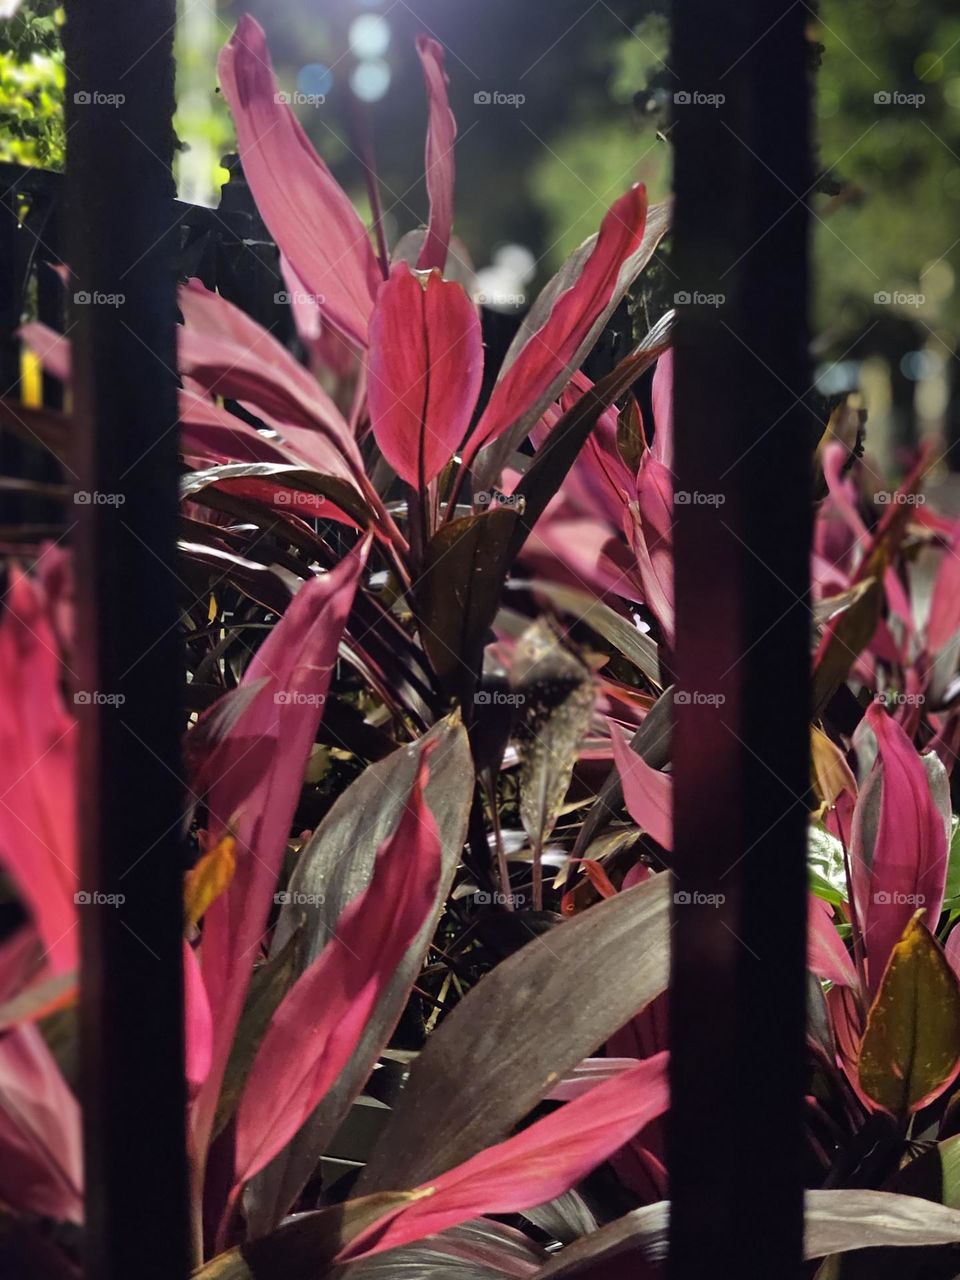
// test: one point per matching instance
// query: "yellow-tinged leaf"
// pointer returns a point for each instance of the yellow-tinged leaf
(303, 1247)
(213, 609)
(911, 1046)
(31, 379)
(210, 877)
(831, 773)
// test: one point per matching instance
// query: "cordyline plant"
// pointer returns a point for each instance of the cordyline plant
(430, 789)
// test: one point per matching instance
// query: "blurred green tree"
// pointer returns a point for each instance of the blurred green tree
(32, 82)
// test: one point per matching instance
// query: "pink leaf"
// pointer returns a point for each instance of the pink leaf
(943, 623)
(206, 428)
(647, 793)
(255, 775)
(41, 1169)
(534, 1166)
(648, 524)
(599, 482)
(52, 349)
(441, 133)
(320, 1020)
(229, 354)
(827, 957)
(38, 748)
(199, 1023)
(662, 397)
(906, 868)
(581, 553)
(306, 211)
(425, 367)
(544, 362)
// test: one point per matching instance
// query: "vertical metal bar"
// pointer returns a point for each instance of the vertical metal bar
(744, 439)
(119, 242)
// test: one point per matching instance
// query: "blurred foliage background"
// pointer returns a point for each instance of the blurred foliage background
(535, 175)
(32, 85)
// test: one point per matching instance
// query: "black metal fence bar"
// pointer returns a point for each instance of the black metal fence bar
(742, 519)
(121, 241)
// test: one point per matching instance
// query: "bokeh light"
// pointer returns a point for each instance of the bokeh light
(369, 36)
(370, 79)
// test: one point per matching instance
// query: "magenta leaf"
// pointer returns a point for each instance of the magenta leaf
(943, 623)
(647, 792)
(38, 749)
(303, 206)
(534, 1166)
(197, 1018)
(662, 397)
(321, 1019)
(253, 778)
(904, 868)
(827, 957)
(546, 359)
(41, 1169)
(441, 134)
(228, 354)
(424, 370)
(648, 523)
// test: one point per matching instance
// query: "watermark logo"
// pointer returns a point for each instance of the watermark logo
(894, 98)
(895, 898)
(895, 698)
(484, 899)
(298, 99)
(94, 698)
(898, 298)
(494, 98)
(84, 498)
(296, 898)
(694, 98)
(297, 698)
(94, 98)
(697, 698)
(897, 498)
(82, 298)
(500, 299)
(297, 498)
(694, 898)
(94, 898)
(514, 500)
(498, 698)
(299, 298)
(694, 498)
(698, 299)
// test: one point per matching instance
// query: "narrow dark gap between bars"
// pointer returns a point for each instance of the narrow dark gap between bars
(744, 442)
(120, 244)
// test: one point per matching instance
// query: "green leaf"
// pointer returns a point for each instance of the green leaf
(825, 866)
(951, 891)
